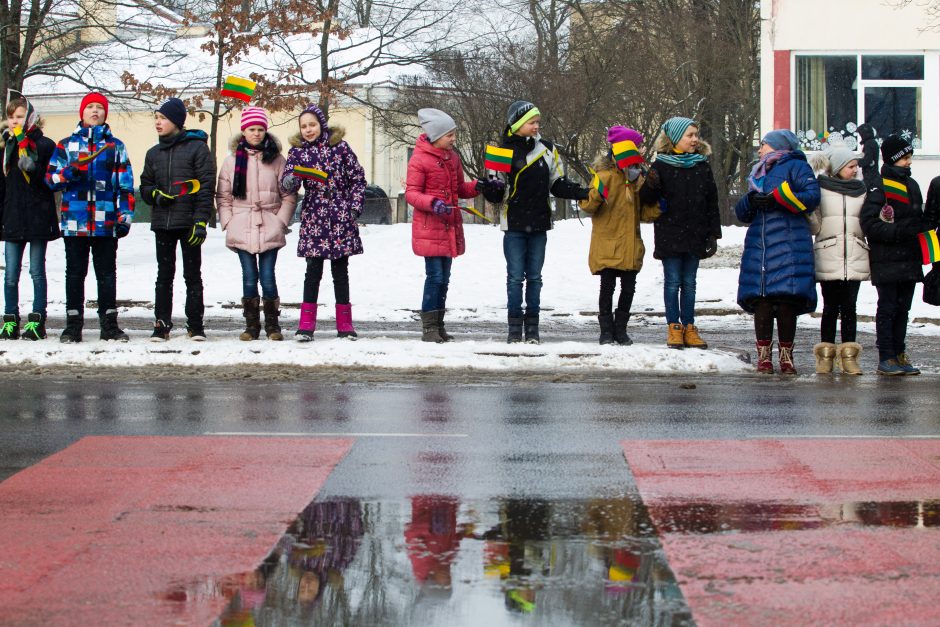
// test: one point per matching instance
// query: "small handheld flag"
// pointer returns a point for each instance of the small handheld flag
(476, 213)
(240, 88)
(626, 154)
(84, 161)
(785, 196)
(598, 184)
(22, 143)
(188, 187)
(314, 174)
(929, 247)
(895, 190)
(498, 159)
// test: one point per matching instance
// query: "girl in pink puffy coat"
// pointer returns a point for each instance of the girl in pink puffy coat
(435, 182)
(254, 213)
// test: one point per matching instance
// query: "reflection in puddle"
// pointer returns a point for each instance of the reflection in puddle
(434, 560)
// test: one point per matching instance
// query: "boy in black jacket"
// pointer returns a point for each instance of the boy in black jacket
(181, 210)
(527, 215)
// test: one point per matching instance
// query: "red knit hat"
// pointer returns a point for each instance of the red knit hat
(93, 97)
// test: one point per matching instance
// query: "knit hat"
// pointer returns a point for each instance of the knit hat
(93, 97)
(893, 149)
(839, 157)
(622, 133)
(675, 128)
(781, 139)
(435, 123)
(254, 116)
(520, 112)
(175, 111)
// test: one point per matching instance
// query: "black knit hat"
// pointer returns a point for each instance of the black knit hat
(894, 149)
(516, 110)
(175, 111)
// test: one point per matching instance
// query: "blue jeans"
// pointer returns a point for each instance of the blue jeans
(436, 282)
(255, 268)
(525, 256)
(679, 275)
(13, 253)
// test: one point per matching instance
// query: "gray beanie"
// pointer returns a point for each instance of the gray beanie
(435, 123)
(839, 157)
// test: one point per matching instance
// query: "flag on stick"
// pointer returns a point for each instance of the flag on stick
(83, 161)
(476, 213)
(598, 184)
(188, 187)
(240, 88)
(314, 174)
(929, 247)
(895, 190)
(499, 159)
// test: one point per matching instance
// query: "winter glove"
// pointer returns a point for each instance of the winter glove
(161, 198)
(71, 172)
(439, 207)
(122, 228)
(26, 164)
(582, 193)
(763, 202)
(290, 183)
(653, 182)
(887, 214)
(198, 235)
(493, 186)
(711, 247)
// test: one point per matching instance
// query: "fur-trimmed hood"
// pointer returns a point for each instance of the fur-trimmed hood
(664, 145)
(335, 133)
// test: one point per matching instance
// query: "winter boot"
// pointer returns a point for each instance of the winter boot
(848, 354)
(607, 328)
(785, 354)
(890, 367)
(161, 331)
(308, 322)
(691, 338)
(344, 324)
(272, 310)
(825, 353)
(195, 331)
(440, 328)
(765, 364)
(252, 316)
(621, 318)
(515, 330)
(74, 321)
(110, 331)
(674, 336)
(532, 329)
(11, 327)
(430, 328)
(35, 327)
(906, 365)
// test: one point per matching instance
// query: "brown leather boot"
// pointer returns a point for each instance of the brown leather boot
(674, 336)
(691, 338)
(765, 364)
(272, 327)
(430, 329)
(252, 319)
(785, 353)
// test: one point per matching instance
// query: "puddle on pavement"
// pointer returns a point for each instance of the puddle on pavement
(434, 560)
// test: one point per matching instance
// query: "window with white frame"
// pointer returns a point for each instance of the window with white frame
(836, 93)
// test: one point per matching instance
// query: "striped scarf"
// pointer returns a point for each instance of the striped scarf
(20, 144)
(755, 181)
(682, 159)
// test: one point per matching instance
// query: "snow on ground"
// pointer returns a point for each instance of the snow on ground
(386, 285)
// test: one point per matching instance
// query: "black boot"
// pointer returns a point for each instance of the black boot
(607, 328)
(440, 327)
(110, 331)
(272, 326)
(11, 327)
(621, 318)
(515, 331)
(35, 327)
(532, 329)
(252, 313)
(74, 321)
(430, 329)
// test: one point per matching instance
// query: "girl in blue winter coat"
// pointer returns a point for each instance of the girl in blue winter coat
(777, 279)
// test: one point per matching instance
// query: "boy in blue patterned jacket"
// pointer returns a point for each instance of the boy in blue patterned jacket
(92, 170)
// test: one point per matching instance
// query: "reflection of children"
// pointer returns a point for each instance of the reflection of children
(433, 538)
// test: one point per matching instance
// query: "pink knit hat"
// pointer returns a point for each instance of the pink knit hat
(254, 116)
(622, 133)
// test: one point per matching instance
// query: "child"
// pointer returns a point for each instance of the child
(254, 213)
(869, 160)
(179, 216)
(616, 246)
(841, 257)
(527, 216)
(690, 227)
(92, 170)
(435, 182)
(777, 278)
(334, 184)
(892, 217)
(27, 216)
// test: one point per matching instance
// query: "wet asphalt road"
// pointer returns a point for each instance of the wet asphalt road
(470, 504)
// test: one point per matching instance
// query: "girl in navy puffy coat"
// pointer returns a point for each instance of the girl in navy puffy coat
(777, 279)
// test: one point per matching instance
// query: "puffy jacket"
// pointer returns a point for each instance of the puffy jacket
(436, 173)
(183, 157)
(615, 221)
(106, 182)
(840, 250)
(27, 209)
(895, 253)
(257, 222)
(778, 247)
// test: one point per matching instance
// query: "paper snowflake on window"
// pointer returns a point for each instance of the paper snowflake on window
(907, 135)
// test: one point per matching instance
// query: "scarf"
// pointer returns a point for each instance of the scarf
(755, 181)
(269, 149)
(682, 159)
(852, 188)
(19, 144)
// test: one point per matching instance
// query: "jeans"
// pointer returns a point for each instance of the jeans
(839, 299)
(13, 254)
(104, 258)
(257, 268)
(894, 303)
(166, 242)
(436, 282)
(679, 275)
(609, 278)
(339, 268)
(525, 256)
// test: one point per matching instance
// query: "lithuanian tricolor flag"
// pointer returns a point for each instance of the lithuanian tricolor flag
(895, 190)
(188, 187)
(311, 173)
(626, 154)
(240, 88)
(499, 159)
(785, 196)
(21, 142)
(929, 247)
(598, 184)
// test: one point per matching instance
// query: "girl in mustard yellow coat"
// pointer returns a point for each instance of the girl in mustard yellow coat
(616, 245)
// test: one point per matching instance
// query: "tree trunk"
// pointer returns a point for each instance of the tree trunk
(324, 100)
(217, 105)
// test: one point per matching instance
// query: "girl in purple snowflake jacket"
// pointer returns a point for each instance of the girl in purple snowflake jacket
(334, 184)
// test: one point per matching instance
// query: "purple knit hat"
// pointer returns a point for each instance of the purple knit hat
(622, 133)
(314, 109)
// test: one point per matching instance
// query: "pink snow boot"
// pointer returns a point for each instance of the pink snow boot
(308, 322)
(344, 325)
